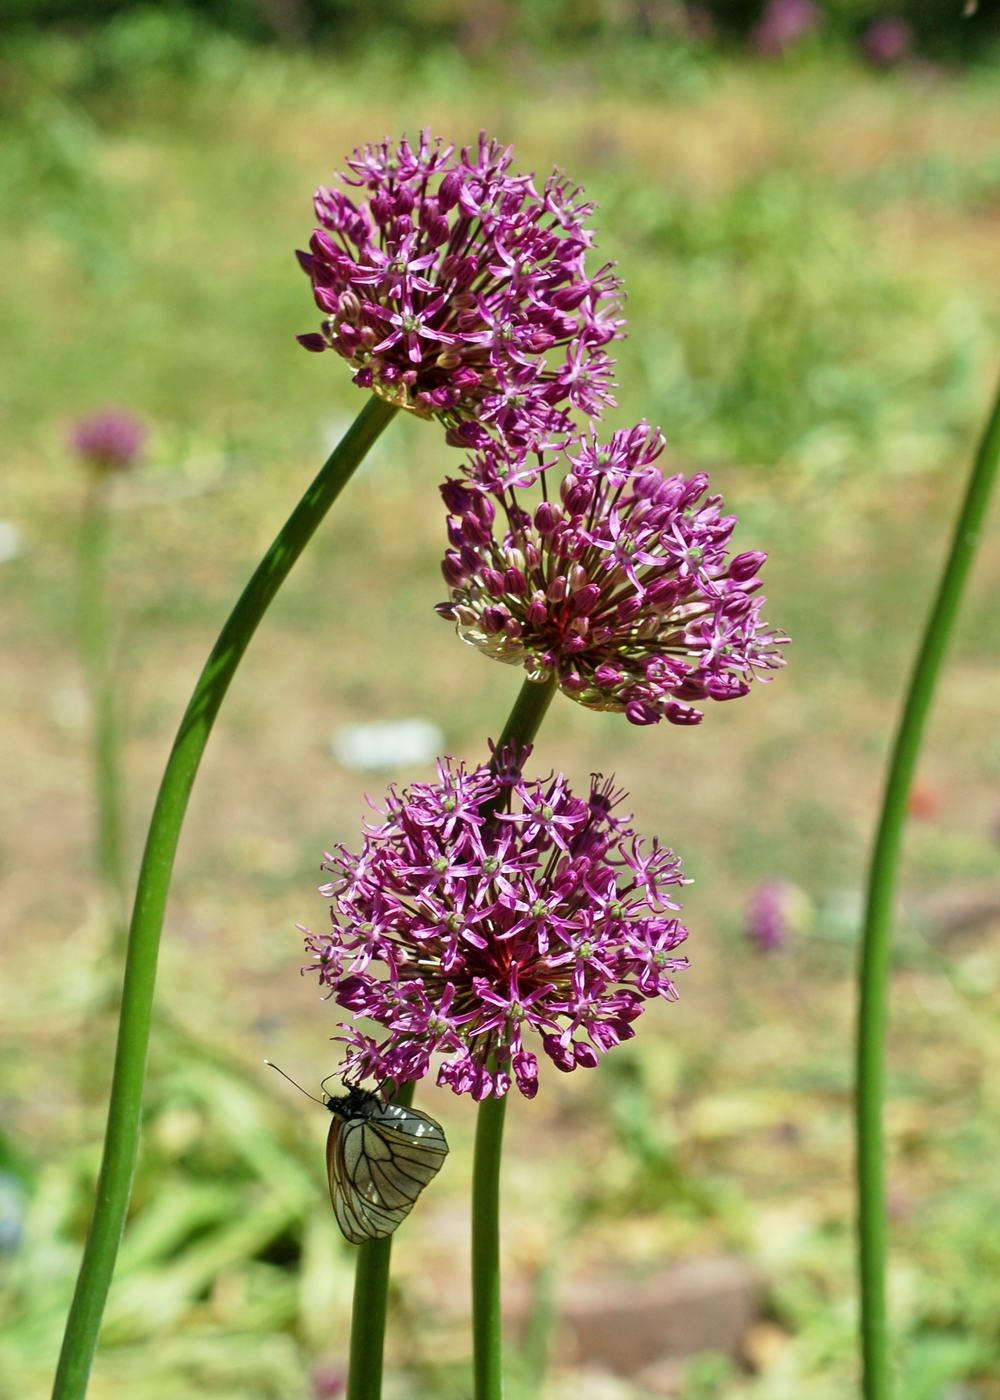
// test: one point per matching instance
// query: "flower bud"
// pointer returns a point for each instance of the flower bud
(681, 714)
(641, 712)
(514, 580)
(557, 589)
(326, 300)
(538, 613)
(744, 566)
(453, 569)
(585, 599)
(449, 191)
(457, 498)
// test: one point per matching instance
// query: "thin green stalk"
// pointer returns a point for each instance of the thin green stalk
(873, 972)
(371, 1289)
(487, 1342)
(125, 1103)
(93, 630)
(523, 722)
(487, 1337)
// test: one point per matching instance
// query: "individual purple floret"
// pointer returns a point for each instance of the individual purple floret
(459, 290)
(620, 584)
(487, 907)
(109, 440)
(887, 41)
(784, 23)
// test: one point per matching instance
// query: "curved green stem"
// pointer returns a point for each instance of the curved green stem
(487, 1341)
(125, 1104)
(873, 970)
(93, 632)
(371, 1290)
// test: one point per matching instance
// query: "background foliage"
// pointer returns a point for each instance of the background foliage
(945, 28)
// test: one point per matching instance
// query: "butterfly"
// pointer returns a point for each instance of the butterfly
(379, 1157)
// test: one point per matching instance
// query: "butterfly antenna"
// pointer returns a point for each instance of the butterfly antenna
(297, 1085)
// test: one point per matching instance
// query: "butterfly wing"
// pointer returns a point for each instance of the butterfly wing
(342, 1152)
(416, 1147)
(377, 1165)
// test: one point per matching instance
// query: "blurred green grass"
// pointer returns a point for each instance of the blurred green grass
(810, 254)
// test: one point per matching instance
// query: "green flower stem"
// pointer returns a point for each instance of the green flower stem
(125, 1103)
(873, 969)
(523, 722)
(487, 1345)
(371, 1288)
(487, 1339)
(93, 631)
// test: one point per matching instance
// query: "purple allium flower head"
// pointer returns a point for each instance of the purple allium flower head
(775, 911)
(887, 41)
(109, 440)
(459, 290)
(485, 908)
(784, 23)
(329, 1380)
(620, 585)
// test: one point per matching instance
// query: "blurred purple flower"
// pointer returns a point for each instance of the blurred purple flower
(109, 440)
(459, 291)
(784, 23)
(487, 906)
(887, 41)
(776, 910)
(621, 585)
(329, 1379)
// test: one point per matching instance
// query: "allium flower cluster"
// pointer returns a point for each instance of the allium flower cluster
(458, 290)
(622, 587)
(486, 906)
(775, 912)
(109, 440)
(887, 41)
(783, 24)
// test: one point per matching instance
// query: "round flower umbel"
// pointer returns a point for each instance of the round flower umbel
(776, 911)
(459, 290)
(622, 586)
(486, 908)
(109, 440)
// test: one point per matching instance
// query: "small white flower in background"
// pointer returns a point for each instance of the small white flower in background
(386, 744)
(68, 707)
(11, 541)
